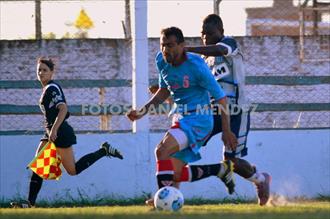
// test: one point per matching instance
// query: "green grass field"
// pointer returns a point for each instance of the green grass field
(299, 210)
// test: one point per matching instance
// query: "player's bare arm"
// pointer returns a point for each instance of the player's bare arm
(160, 96)
(63, 110)
(228, 137)
(208, 50)
(153, 88)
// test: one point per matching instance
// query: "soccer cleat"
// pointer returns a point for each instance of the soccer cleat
(111, 151)
(23, 204)
(150, 202)
(228, 177)
(263, 189)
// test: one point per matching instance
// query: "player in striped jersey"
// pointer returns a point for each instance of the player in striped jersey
(225, 59)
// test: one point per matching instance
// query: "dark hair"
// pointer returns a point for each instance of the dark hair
(173, 31)
(214, 20)
(47, 61)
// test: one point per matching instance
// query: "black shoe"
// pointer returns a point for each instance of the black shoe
(228, 177)
(111, 151)
(22, 204)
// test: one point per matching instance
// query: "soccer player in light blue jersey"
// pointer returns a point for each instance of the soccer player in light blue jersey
(225, 59)
(187, 79)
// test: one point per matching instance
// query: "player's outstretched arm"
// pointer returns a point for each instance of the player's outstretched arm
(154, 88)
(208, 50)
(160, 96)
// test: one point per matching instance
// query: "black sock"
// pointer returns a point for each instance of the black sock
(164, 180)
(202, 171)
(87, 160)
(35, 186)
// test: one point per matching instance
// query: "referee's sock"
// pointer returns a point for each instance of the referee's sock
(35, 186)
(87, 160)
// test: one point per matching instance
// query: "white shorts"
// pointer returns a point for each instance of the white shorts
(180, 137)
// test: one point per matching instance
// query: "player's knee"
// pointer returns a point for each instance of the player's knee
(71, 172)
(232, 159)
(158, 151)
(161, 152)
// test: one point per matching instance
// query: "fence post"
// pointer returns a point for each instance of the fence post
(140, 77)
(104, 119)
(38, 34)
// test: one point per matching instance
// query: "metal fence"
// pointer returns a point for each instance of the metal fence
(294, 113)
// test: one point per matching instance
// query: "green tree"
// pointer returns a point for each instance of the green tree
(49, 35)
(67, 35)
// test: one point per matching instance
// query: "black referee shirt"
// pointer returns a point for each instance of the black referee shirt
(51, 97)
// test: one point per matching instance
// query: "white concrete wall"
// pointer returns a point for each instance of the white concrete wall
(298, 161)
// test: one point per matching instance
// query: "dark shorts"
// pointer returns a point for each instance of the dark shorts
(240, 126)
(65, 136)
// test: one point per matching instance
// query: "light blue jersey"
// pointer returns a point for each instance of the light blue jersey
(190, 85)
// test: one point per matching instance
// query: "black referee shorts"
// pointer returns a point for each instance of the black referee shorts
(65, 136)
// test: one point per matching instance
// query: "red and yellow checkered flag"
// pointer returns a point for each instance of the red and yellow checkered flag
(47, 163)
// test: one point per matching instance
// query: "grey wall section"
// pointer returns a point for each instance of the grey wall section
(75, 59)
(111, 58)
(99, 59)
(298, 161)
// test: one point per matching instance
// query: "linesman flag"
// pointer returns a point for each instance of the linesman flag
(47, 163)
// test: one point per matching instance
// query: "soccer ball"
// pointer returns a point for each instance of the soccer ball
(168, 198)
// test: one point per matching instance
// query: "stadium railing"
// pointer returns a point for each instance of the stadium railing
(10, 109)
